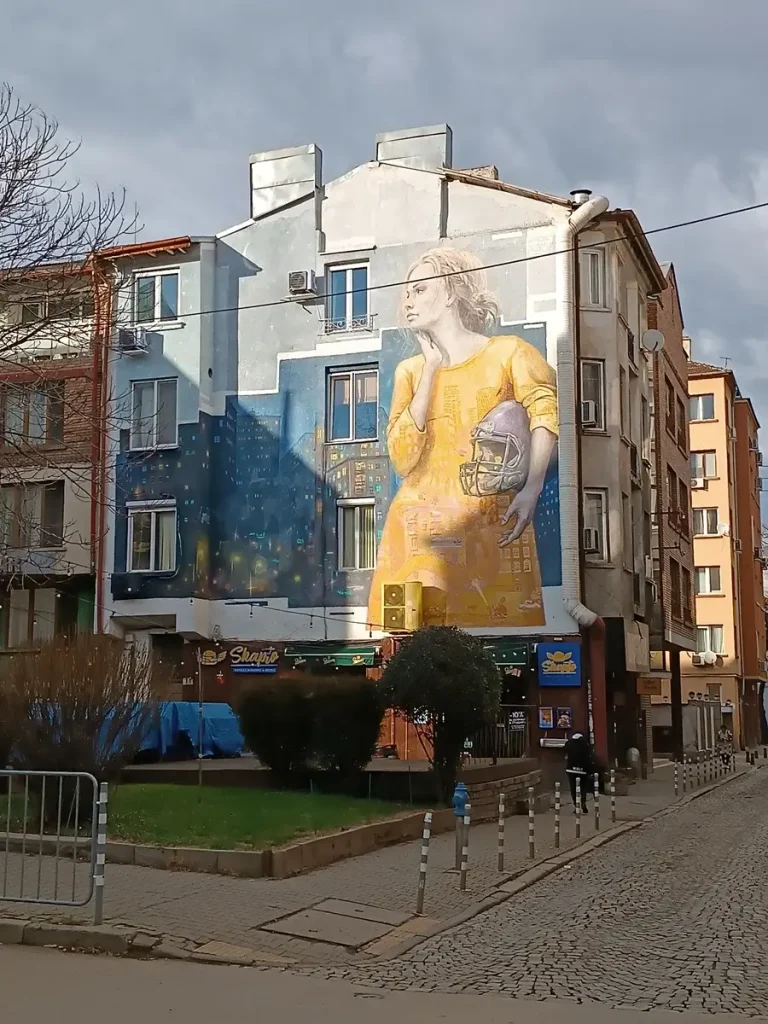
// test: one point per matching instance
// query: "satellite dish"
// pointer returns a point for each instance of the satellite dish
(709, 657)
(652, 341)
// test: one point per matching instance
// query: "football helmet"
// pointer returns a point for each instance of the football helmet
(501, 452)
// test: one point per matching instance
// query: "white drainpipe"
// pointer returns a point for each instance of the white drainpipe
(566, 386)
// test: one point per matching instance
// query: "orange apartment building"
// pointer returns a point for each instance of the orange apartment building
(728, 573)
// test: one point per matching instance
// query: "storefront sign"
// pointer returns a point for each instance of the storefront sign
(649, 686)
(244, 660)
(559, 663)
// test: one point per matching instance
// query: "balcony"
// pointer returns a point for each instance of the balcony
(348, 325)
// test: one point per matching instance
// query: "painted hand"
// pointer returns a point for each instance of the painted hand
(522, 508)
(433, 357)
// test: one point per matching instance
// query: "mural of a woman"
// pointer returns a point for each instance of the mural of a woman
(472, 429)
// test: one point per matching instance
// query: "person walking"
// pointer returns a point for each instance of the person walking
(580, 764)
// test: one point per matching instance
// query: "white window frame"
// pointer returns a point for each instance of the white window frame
(703, 454)
(155, 275)
(22, 529)
(706, 574)
(709, 646)
(351, 374)
(134, 508)
(704, 512)
(588, 298)
(351, 323)
(600, 364)
(341, 504)
(154, 447)
(697, 400)
(603, 555)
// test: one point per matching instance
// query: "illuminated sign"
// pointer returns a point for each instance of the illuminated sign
(559, 664)
(243, 660)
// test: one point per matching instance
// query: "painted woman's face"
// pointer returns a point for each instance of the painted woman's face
(425, 301)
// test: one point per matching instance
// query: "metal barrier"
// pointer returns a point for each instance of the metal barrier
(53, 841)
(507, 738)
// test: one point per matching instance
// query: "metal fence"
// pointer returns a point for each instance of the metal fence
(52, 847)
(507, 738)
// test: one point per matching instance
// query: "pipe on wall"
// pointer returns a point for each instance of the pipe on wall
(570, 487)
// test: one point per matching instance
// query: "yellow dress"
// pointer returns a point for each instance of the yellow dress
(436, 533)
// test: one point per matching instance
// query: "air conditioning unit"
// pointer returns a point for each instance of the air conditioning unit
(759, 458)
(402, 606)
(723, 530)
(761, 483)
(699, 483)
(654, 590)
(591, 540)
(737, 546)
(758, 553)
(302, 282)
(648, 567)
(753, 444)
(588, 413)
(697, 659)
(132, 341)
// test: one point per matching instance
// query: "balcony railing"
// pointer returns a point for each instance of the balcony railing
(346, 325)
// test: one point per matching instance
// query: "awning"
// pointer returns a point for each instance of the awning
(332, 655)
(509, 654)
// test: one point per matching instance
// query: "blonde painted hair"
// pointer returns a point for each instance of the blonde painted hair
(477, 307)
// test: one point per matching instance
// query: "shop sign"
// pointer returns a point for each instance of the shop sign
(559, 663)
(243, 660)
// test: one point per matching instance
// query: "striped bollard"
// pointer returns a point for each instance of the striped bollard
(101, 850)
(698, 769)
(613, 796)
(465, 848)
(578, 807)
(684, 774)
(557, 815)
(425, 836)
(677, 782)
(596, 784)
(531, 825)
(501, 832)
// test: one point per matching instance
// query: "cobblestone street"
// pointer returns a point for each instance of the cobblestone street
(672, 915)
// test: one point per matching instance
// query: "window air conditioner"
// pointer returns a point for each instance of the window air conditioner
(696, 659)
(699, 483)
(132, 341)
(648, 567)
(737, 546)
(591, 540)
(588, 413)
(753, 444)
(302, 282)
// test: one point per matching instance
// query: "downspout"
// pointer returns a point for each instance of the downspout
(570, 487)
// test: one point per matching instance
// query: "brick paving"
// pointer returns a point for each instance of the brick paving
(201, 908)
(672, 915)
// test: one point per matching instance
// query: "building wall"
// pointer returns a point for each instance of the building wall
(256, 478)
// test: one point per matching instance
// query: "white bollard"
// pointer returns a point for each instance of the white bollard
(578, 807)
(557, 815)
(613, 796)
(501, 833)
(596, 785)
(425, 837)
(465, 848)
(531, 824)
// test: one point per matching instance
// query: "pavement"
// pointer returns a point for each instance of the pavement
(345, 913)
(81, 990)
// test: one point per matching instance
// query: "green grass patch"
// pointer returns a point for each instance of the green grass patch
(233, 819)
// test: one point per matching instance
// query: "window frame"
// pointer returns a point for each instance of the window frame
(710, 646)
(600, 426)
(350, 325)
(697, 399)
(604, 554)
(683, 507)
(682, 426)
(350, 373)
(16, 520)
(586, 300)
(703, 454)
(705, 517)
(707, 570)
(675, 590)
(157, 318)
(153, 508)
(355, 503)
(54, 394)
(131, 430)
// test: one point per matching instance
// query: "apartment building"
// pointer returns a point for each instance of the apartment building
(49, 427)
(673, 629)
(727, 577)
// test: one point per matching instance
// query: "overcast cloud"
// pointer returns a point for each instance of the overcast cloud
(659, 104)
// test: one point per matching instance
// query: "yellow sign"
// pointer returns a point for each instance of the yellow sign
(560, 663)
(647, 686)
(241, 655)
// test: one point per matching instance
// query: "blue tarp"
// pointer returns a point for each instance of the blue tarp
(178, 727)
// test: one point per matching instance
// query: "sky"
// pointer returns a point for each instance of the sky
(657, 104)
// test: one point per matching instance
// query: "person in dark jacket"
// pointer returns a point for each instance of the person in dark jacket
(580, 764)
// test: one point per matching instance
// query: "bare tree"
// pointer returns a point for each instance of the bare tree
(55, 325)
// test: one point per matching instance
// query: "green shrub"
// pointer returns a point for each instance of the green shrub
(347, 721)
(276, 723)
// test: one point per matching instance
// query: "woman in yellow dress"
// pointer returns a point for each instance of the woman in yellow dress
(474, 550)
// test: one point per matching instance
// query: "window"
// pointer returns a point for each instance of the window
(682, 427)
(592, 274)
(33, 415)
(710, 638)
(153, 414)
(353, 405)
(674, 577)
(151, 537)
(703, 464)
(631, 353)
(682, 510)
(702, 407)
(627, 545)
(593, 389)
(672, 496)
(685, 586)
(670, 406)
(32, 516)
(596, 518)
(156, 297)
(347, 298)
(707, 579)
(624, 409)
(75, 305)
(705, 522)
(356, 535)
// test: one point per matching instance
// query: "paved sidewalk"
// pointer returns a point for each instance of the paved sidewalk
(241, 912)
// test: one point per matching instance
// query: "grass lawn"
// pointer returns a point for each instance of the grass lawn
(228, 818)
